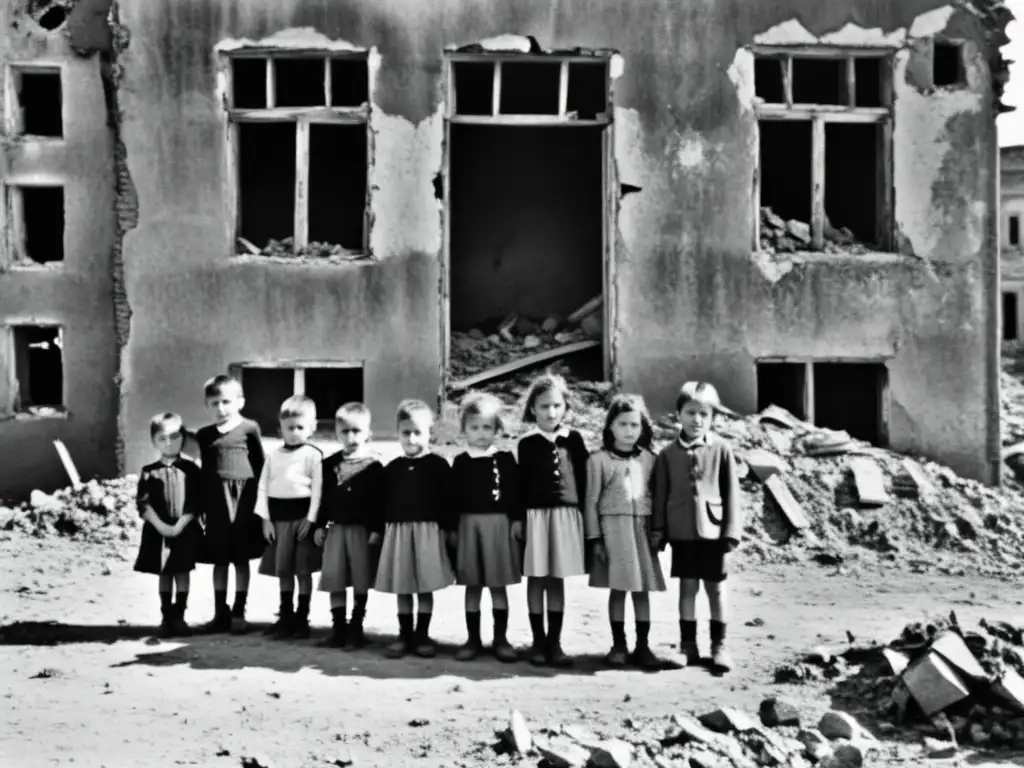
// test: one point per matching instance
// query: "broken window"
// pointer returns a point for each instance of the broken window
(824, 175)
(38, 369)
(1010, 317)
(524, 86)
(329, 385)
(50, 14)
(783, 385)
(947, 64)
(1014, 230)
(37, 107)
(36, 220)
(300, 148)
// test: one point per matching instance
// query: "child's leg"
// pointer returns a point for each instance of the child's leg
(404, 643)
(535, 605)
(474, 596)
(339, 615)
(166, 585)
(642, 655)
(221, 615)
(719, 605)
(617, 619)
(424, 612)
(305, 583)
(286, 614)
(554, 587)
(356, 637)
(688, 590)
(503, 651)
(182, 581)
(238, 623)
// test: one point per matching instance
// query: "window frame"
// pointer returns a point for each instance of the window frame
(11, 400)
(819, 115)
(1013, 221)
(303, 118)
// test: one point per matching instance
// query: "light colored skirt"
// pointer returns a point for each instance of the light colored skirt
(631, 565)
(413, 560)
(487, 556)
(286, 555)
(554, 543)
(348, 560)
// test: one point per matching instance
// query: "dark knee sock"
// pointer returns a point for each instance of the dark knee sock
(717, 632)
(303, 610)
(537, 626)
(405, 626)
(241, 595)
(220, 600)
(618, 633)
(555, 626)
(423, 625)
(473, 626)
(181, 603)
(688, 631)
(643, 633)
(338, 617)
(359, 609)
(500, 624)
(166, 604)
(287, 605)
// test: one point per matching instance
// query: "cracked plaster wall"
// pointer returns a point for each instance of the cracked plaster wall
(689, 298)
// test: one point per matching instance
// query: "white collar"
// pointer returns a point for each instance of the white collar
(425, 452)
(228, 426)
(478, 453)
(563, 432)
(361, 455)
(702, 440)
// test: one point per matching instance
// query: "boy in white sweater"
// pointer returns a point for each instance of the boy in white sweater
(287, 500)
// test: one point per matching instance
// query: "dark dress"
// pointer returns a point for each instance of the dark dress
(169, 491)
(231, 466)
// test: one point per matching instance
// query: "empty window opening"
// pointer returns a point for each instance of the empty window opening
(350, 82)
(850, 397)
(786, 168)
(851, 182)
(39, 101)
(39, 235)
(782, 385)
(299, 82)
(337, 184)
(249, 83)
(39, 368)
(588, 89)
(266, 178)
(1014, 233)
(330, 388)
(819, 81)
(868, 75)
(474, 87)
(1010, 316)
(947, 64)
(529, 87)
(768, 81)
(526, 221)
(265, 389)
(50, 14)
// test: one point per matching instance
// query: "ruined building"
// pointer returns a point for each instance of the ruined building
(1011, 241)
(795, 199)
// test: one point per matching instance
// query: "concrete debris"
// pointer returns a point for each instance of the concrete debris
(781, 236)
(728, 720)
(285, 249)
(775, 711)
(97, 512)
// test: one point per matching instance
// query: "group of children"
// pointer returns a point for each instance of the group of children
(418, 523)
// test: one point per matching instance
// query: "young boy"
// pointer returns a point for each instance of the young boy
(350, 514)
(231, 454)
(697, 509)
(287, 501)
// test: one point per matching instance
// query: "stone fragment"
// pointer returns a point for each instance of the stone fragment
(799, 230)
(550, 324)
(775, 712)
(688, 729)
(562, 752)
(531, 342)
(845, 756)
(840, 725)
(593, 325)
(613, 753)
(476, 334)
(518, 733)
(816, 745)
(727, 720)
(978, 734)
(708, 760)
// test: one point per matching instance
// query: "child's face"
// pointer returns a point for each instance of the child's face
(168, 443)
(695, 419)
(480, 431)
(414, 433)
(225, 405)
(626, 429)
(549, 410)
(352, 433)
(297, 431)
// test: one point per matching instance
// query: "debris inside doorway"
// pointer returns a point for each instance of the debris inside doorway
(781, 236)
(284, 250)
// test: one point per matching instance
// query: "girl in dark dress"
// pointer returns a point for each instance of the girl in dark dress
(167, 502)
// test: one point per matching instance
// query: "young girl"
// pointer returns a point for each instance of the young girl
(552, 469)
(486, 502)
(417, 516)
(231, 453)
(616, 517)
(167, 500)
(697, 510)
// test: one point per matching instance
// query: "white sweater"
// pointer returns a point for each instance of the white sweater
(291, 473)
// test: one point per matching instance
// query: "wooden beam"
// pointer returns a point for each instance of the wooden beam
(527, 57)
(452, 86)
(588, 308)
(525, 362)
(817, 184)
(787, 80)
(69, 464)
(16, 226)
(310, 114)
(755, 192)
(496, 89)
(814, 50)
(301, 234)
(271, 83)
(299, 381)
(869, 482)
(552, 121)
(790, 507)
(833, 113)
(851, 81)
(563, 87)
(328, 81)
(809, 394)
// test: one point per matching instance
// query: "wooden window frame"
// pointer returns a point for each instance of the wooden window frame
(11, 402)
(303, 118)
(14, 116)
(821, 114)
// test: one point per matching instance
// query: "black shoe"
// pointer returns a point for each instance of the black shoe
(300, 629)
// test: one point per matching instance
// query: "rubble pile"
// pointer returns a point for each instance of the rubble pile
(937, 678)
(781, 236)
(285, 249)
(97, 512)
(723, 737)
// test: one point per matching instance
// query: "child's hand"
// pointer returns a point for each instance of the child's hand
(600, 553)
(268, 531)
(517, 530)
(374, 539)
(319, 536)
(304, 527)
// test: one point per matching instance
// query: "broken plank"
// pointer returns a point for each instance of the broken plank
(790, 507)
(934, 684)
(587, 309)
(69, 465)
(763, 463)
(868, 479)
(525, 362)
(916, 473)
(1013, 450)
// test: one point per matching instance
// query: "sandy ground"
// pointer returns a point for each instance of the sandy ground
(93, 688)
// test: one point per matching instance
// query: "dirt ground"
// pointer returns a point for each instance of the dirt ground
(85, 684)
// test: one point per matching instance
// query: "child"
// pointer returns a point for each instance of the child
(167, 500)
(417, 515)
(485, 484)
(697, 509)
(352, 528)
(616, 517)
(553, 474)
(231, 455)
(287, 501)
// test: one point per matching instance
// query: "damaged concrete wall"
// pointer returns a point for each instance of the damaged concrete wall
(689, 299)
(74, 293)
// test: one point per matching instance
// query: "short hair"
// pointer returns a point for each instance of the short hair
(621, 404)
(484, 405)
(407, 409)
(297, 407)
(166, 422)
(702, 392)
(218, 384)
(352, 411)
(546, 382)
